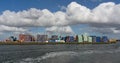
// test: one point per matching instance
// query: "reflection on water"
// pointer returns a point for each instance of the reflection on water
(104, 53)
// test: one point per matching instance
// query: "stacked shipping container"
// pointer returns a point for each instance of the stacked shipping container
(85, 38)
(79, 38)
(98, 39)
(42, 38)
(69, 39)
(104, 39)
(56, 38)
(26, 38)
(89, 39)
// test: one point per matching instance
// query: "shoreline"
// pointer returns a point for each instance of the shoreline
(52, 43)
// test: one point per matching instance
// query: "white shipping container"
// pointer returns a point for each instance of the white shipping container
(85, 38)
(80, 38)
(89, 39)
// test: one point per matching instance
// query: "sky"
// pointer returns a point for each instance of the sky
(94, 17)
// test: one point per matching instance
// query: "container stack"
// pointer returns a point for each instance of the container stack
(98, 39)
(104, 39)
(71, 39)
(90, 39)
(85, 38)
(79, 38)
(67, 39)
(54, 37)
(112, 40)
(93, 39)
(25, 38)
(42, 38)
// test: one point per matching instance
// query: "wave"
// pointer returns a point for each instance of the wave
(65, 54)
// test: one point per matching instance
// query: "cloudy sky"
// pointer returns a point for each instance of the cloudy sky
(95, 17)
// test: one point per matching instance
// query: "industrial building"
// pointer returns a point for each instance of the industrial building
(26, 38)
(42, 38)
(55, 38)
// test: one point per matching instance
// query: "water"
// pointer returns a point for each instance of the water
(102, 53)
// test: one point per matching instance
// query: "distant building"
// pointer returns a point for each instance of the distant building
(26, 38)
(42, 38)
(54, 37)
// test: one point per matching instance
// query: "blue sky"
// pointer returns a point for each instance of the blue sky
(53, 6)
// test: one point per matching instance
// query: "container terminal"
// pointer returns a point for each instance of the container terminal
(56, 39)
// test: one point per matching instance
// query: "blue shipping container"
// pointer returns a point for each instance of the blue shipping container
(71, 39)
(104, 39)
(98, 39)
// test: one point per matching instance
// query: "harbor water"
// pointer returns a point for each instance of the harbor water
(60, 53)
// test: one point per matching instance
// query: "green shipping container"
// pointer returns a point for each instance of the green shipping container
(89, 39)
(80, 38)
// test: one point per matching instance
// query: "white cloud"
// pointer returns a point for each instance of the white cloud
(75, 14)
(63, 8)
(60, 19)
(58, 29)
(105, 30)
(25, 18)
(105, 13)
(32, 17)
(11, 29)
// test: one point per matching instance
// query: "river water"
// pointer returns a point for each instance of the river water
(61, 53)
